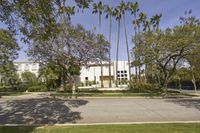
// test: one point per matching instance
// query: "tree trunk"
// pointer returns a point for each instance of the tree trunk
(139, 67)
(194, 82)
(110, 37)
(101, 62)
(127, 48)
(117, 53)
(73, 89)
(62, 82)
(145, 74)
(136, 70)
(180, 85)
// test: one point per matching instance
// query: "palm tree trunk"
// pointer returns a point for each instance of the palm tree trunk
(101, 53)
(139, 68)
(127, 48)
(117, 53)
(135, 29)
(110, 37)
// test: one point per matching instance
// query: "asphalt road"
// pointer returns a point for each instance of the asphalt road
(40, 110)
(139, 110)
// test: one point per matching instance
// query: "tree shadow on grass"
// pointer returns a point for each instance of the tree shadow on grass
(17, 129)
(40, 111)
(189, 103)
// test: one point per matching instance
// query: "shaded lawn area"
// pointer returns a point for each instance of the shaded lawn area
(141, 128)
(11, 93)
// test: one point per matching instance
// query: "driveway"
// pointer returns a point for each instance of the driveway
(41, 110)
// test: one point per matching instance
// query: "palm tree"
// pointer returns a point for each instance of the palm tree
(142, 17)
(155, 21)
(134, 8)
(146, 27)
(123, 7)
(117, 14)
(109, 14)
(98, 8)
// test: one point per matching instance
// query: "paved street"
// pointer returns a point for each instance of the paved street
(38, 110)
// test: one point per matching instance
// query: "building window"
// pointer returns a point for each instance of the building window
(86, 78)
(118, 71)
(125, 75)
(122, 75)
(125, 71)
(118, 75)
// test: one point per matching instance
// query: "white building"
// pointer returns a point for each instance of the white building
(27, 66)
(93, 73)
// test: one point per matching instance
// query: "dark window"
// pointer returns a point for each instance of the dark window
(126, 79)
(125, 75)
(122, 75)
(118, 75)
(118, 71)
(125, 71)
(86, 78)
(122, 71)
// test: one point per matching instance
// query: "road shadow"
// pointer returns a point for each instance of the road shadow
(40, 111)
(189, 103)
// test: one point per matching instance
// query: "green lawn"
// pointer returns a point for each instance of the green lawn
(11, 93)
(107, 94)
(143, 128)
(126, 94)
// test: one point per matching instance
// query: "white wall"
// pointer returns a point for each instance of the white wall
(93, 71)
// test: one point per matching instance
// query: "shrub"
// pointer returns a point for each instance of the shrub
(144, 87)
(37, 88)
(15, 88)
(5, 88)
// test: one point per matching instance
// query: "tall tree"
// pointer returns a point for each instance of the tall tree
(117, 14)
(168, 48)
(8, 53)
(70, 49)
(98, 8)
(146, 28)
(109, 14)
(134, 8)
(124, 7)
(191, 22)
(29, 17)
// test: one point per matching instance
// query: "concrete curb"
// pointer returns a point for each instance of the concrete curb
(130, 98)
(95, 124)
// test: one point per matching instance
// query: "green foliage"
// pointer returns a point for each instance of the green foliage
(144, 87)
(37, 88)
(50, 74)
(20, 87)
(8, 52)
(8, 47)
(123, 82)
(29, 77)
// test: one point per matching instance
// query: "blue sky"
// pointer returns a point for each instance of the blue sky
(171, 11)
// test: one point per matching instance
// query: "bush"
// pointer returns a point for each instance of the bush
(5, 88)
(37, 88)
(144, 87)
(15, 88)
